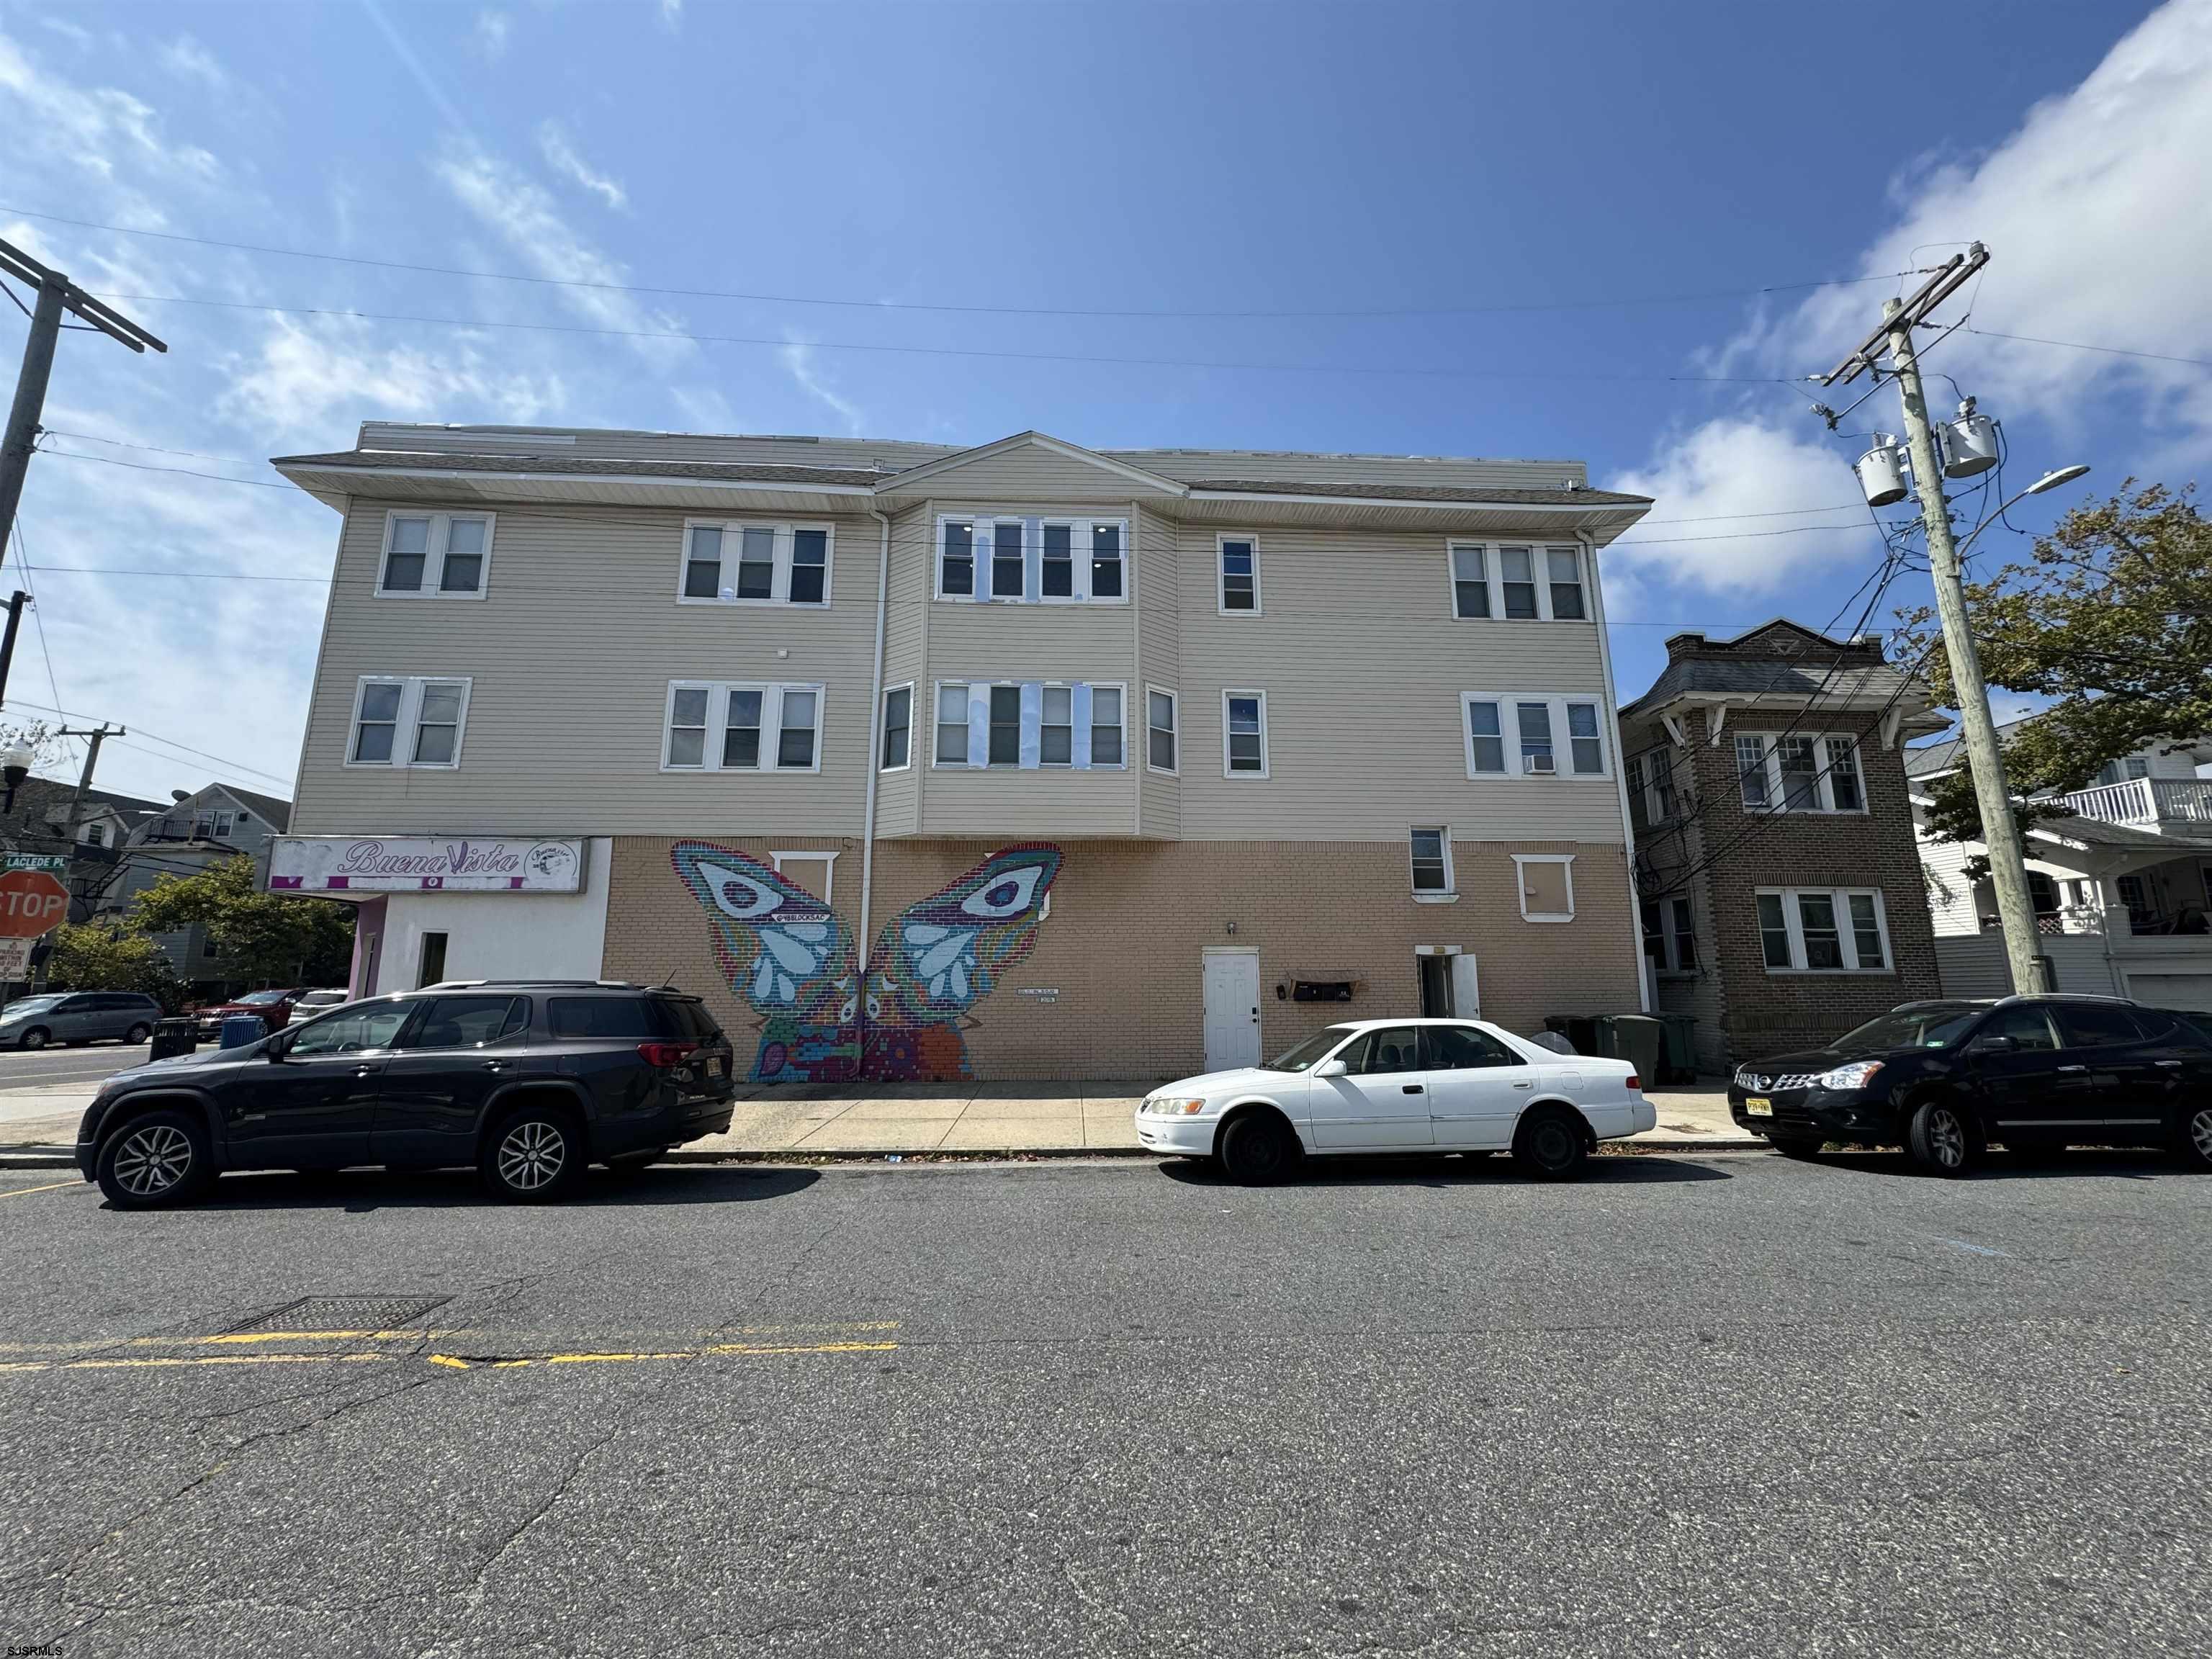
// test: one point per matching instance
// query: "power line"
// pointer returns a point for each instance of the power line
(602, 286)
(2076, 345)
(147, 466)
(151, 449)
(240, 766)
(781, 344)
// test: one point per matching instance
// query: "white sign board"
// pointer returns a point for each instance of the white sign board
(424, 864)
(15, 958)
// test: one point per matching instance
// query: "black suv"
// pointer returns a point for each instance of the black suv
(529, 1081)
(1945, 1079)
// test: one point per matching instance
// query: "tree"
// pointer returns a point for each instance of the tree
(2110, 616)
(265, 938)
(105, 957)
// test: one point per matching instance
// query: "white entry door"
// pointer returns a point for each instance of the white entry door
(1232, 1009)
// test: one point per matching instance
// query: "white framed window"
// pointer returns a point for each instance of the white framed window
(799, 864)
(1534, 735)
(1160, 730)
(987, 558)
(1546, 884)
(755, 562)
(1799, 772)
(951, 747)
(1430, 849)
(408, 721)
(741, 725)
(1236, 564)
(1243, 734)
(434, 555)
(1824, 930)
(1108, 734)
(1670, 935)
(1004, 747)
(897, 751)
(1517, 581)
(210, 824)
(1652, 781)
(1025, 725)
(1055, 725)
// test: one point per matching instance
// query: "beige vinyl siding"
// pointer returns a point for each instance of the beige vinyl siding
(569, 656)
(1364, 667)
(906, 620)
(1032, 474)
(1159, 589)
(1474, 474)
(1049, 802)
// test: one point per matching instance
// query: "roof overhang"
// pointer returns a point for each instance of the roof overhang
(335, 484)
(1915, 715)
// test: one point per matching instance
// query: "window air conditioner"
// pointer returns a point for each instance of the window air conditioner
(1536, 764)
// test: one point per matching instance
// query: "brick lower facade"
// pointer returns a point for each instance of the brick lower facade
(1114, 972)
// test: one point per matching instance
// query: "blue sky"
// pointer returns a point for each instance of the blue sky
(1456, 166)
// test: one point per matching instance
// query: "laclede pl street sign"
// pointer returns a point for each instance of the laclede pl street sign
(31, 902)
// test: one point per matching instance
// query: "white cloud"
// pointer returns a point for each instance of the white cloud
(672, 14)
(187, 58)
(305, 378)
(799, 360)
(563, 157)
(494, 29)
(88, 130)
(2092, 212)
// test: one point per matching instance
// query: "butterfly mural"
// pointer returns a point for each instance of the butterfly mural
(789, 956)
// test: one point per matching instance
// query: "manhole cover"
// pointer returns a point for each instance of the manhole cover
(343, 1313)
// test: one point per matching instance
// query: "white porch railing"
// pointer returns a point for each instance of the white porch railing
(2144, 801)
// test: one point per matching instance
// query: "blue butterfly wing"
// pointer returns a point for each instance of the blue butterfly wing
(946, 952)
(784, 951)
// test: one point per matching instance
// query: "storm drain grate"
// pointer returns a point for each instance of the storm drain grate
(343, 1313)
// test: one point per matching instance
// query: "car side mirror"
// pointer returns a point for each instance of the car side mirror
(1995, 1045)
(1331, 1068)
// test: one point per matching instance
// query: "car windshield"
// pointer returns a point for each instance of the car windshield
(1938, 1025)
(28, 1005)
(1306, 1055)
(257, 998)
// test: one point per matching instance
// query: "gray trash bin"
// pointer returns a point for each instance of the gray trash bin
(1641, 1041)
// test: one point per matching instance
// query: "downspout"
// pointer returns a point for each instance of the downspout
(1644, 995)
(875, 757)
(1134, 699)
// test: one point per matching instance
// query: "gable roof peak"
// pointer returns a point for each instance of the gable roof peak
(902, 482)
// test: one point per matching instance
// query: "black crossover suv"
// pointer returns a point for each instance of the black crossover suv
(1945, 1079)
(528, 1080)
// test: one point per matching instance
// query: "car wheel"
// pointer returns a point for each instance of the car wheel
(158, 1159)
(1258, 1150)
(36, 1038)
(2192, 1142)
(534, 1156)
(1550, 1145)
(1941, 1139)
(136, 1035)
(1796, 1146)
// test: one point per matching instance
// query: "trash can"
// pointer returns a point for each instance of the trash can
(1641, 1041)
(1681, 1047)
(173, 1037)
(1580, 1029)
(238, 1029)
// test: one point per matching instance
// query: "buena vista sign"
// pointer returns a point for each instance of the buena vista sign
(424, 864)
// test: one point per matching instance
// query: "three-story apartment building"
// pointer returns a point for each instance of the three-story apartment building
(1022, 760)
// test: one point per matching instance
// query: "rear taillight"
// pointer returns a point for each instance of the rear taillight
(1635, 1083)
(664, 1054)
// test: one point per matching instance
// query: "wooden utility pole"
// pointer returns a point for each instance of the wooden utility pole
(93, 739)
(57, 294)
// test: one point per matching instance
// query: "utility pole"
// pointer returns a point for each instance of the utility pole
(93, 739)
(57, 294)
(16, 601)
(1985, 757)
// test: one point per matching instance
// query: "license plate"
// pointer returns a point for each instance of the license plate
(1757, 1106)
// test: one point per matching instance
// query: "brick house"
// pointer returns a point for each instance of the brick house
(1029, 760)
(1779, 881)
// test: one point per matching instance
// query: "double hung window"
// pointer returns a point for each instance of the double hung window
(1239, 592)
(1799, 772)
(898, 729)
(1534, 737)
(1670, 937)
(1244, 734)
(435, 555)
(1017, 561)
(408, 721)
(1813, 930)
(1160, 729)
(1518, 583)
(1029, 724)
(715, 725)
(1432, 856)
(731, 562)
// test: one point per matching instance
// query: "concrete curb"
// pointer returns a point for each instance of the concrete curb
(64, 1158)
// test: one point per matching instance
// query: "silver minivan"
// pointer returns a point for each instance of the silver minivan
(74, 1017)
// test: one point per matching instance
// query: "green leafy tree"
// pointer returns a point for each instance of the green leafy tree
(2111, 617)
(101, 955)
(262, 938)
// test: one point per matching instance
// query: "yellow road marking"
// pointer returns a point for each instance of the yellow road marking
(455, 1362)
(25, 1192)
(239, 1338)
(459, 1363)
(216, 1359)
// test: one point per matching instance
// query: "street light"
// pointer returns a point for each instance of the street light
(2064, 475)
(14, 767)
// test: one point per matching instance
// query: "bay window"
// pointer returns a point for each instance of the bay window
(1799, 772)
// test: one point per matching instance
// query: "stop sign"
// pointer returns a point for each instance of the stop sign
(31, 901)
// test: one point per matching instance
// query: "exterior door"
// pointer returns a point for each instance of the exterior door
(441, 1074)
(1232, 1009)
(1477, 1087)
(2022, 1088)
(2122, 1090)
(1382, 1102)
(312, 1102)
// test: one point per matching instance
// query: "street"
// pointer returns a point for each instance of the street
(55, 1068)
(1727, 1404)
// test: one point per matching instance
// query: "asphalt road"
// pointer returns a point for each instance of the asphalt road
(1719, 1405)
(56, 1068)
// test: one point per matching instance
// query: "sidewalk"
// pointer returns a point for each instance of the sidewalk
(835, 1120)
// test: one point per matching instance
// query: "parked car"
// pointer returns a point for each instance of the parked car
(528, 1080)
(78, 1016)
(1945, 1079)
(275, 1008)
(315, 1002)
(1399, 1085)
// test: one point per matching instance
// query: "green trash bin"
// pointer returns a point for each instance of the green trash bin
(1681, 1061)
(1640, 1039)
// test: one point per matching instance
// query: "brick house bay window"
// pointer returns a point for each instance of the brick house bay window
(1821, 930)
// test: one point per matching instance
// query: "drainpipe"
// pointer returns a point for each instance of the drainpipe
(875, 756)
(1644, 997)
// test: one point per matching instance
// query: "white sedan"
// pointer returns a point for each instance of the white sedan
(1400, 1085)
